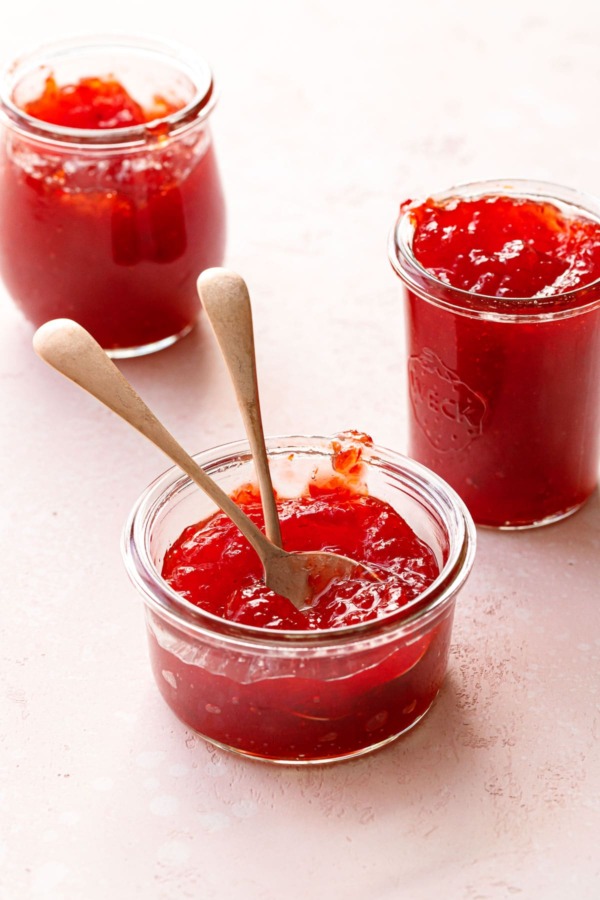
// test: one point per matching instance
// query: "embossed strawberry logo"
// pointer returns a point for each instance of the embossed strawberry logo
(449, 412)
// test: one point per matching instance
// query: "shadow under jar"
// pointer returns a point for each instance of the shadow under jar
(505, 391)
(299, 696)
(110, 226)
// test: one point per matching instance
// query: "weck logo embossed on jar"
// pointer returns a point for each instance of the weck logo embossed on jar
(438, 395)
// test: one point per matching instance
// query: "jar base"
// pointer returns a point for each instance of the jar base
(147, 349)
(541, 523)
(329, 760)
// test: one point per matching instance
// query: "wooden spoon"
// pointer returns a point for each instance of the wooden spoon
(69, 348)
(226, 302)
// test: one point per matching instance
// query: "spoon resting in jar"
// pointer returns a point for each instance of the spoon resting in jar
(226, 302)
(300, 575)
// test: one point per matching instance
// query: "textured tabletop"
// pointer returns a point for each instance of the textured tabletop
(330, 113)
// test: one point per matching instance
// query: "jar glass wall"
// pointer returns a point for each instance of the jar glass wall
(504, 393)
(299, 696)
(111, 226)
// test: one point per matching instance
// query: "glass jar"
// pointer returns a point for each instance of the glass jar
(504, 393)
(299, 696)
(111, 226)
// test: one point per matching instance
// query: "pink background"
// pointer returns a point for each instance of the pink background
(330, 114)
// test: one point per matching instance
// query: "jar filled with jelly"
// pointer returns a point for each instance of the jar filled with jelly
(502, 299)
(242, 666)
(110, 192)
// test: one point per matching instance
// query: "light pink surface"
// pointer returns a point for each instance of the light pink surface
(330, 114)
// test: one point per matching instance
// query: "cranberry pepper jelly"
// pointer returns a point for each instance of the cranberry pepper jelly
(109, 190)
(248, 671)
(503, 332)
(214, 567)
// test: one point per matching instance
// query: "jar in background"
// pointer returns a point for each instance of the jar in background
(504, 393)
(299, 696)
(111, 226)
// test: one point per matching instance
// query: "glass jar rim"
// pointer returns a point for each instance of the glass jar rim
(428, 287)
(196, 110)
(174, 608)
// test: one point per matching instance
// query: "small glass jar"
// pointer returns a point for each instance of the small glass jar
(299, 696)
(504, 393)
(111, 226)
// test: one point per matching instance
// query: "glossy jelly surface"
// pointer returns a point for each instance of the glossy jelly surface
(505, 387)
(93, 103)
(111, 236)
(305, 687)
(213, 566)
(506, 246)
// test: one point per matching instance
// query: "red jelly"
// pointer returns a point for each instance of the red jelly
(514, 247)
(503, 329)
(113, 198)
(248, 671)
(213, 566)
(92, 103)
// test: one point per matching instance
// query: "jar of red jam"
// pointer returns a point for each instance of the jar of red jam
(502, 284)
(110, 194)
(298, 695)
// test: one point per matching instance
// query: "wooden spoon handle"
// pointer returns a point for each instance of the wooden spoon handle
(69, 348)
(226, 302)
